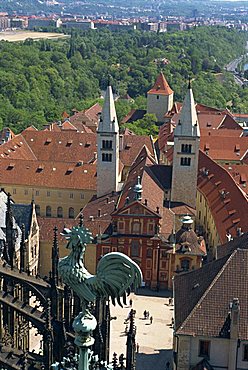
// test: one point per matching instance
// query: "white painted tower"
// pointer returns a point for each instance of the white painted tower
(108, 147)
(186, 153)
(160, 98)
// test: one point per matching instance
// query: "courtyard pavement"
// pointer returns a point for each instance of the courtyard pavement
(155, 340)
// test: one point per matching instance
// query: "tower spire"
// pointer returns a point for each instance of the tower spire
(188, 125)
(108, 147)
(108, 121)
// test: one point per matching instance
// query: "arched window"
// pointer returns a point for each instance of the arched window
(37, 209)
(71, 212)
(60, 212)
(48, 211)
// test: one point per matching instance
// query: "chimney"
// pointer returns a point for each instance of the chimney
(107, 200)
(235, 313)
(145, 202)
(99, 213)
(121, 142)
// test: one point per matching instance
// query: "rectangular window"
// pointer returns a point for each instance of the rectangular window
(107, 144)
(157, 97)
(37, 193)
(71, 195)
(185, 161)
(48, 194)
(14, 191)
(148, 275)
(121, 225)
(26, 192)
(148, 264)
(245, 352)
(106, 157)
(59, 194)
(204, 348)
(81, 196)
(135, 248)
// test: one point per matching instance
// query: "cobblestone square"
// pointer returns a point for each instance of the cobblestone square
(154, 340)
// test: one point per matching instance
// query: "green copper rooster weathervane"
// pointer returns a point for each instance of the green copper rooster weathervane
(115, 273)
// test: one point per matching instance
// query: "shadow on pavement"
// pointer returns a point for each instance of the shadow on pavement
(155, 360)
(152, 293)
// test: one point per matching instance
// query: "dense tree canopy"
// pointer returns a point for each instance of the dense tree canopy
(39, 80)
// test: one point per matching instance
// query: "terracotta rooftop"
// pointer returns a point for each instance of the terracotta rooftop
(97, 213)
(226, 148)
(161, 86)
(203, 297)
(227, 202)
(239, 173)
(17, 148)
(143, 159)
(48, 174)
(47, 226)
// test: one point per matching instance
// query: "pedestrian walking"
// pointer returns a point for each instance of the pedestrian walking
(137, 348)
(151, 320)
(145, 313)
(131, 302)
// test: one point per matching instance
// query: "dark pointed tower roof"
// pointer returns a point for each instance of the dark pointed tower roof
(161, 86)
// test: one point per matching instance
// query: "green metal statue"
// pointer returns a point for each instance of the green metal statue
(115, 273)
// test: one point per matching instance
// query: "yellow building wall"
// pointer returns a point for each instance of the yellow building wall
(175, 263)
(205, 220)
(46, 256)
(53, 197)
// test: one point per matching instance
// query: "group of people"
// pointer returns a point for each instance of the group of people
(147, 316)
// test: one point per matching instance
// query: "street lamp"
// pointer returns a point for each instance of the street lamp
(156, 240)
(158, 267)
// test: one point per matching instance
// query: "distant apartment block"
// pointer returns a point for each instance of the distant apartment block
(4, 23)
(82, 25)
(43, 22)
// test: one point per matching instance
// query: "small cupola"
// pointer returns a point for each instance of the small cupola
(138, 190)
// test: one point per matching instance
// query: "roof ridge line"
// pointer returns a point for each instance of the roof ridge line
(208, 289)
(31, 150)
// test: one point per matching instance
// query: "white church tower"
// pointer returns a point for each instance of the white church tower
(186, 153)
(108, 147)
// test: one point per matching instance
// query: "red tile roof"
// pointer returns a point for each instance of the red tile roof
(47, 226)
(17, 148)
(220, 147)
(240, 175)
(48, 174)
(227, 202)
(161, 86)
(97, 213)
